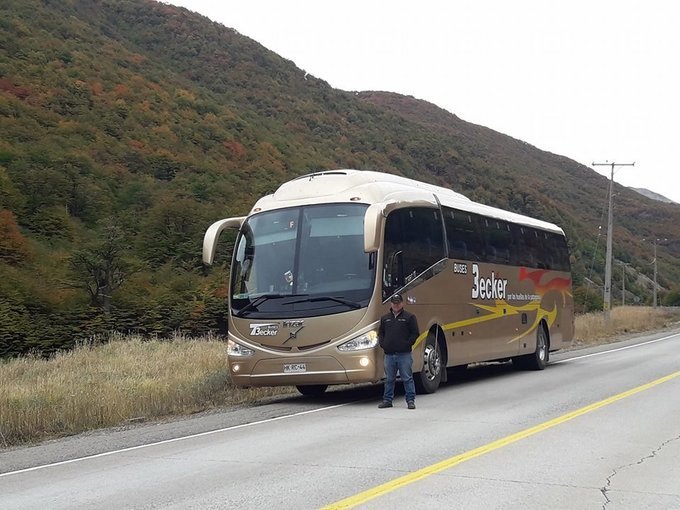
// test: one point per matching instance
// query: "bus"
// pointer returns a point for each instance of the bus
(315, 263)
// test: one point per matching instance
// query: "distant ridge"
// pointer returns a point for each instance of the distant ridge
(653, 195)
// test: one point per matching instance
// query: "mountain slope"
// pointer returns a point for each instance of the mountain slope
(654, 196)
(128, 126)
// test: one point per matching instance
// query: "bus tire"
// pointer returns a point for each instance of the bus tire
(539, 358)
(312, 390)
(428, 379)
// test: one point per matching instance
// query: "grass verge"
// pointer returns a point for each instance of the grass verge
(129, 379)
(126, 379)
(591, 328)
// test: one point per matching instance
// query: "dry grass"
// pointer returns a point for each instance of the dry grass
(124, 380)
(592, 329)
(128, 379)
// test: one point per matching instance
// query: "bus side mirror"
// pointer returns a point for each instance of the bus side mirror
(213, 232)
(372, 224)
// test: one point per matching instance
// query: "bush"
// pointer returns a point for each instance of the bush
(587, 300)
(672, 297)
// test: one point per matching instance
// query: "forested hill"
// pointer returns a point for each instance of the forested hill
(128, 126)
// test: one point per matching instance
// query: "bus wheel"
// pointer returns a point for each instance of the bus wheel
(312, 390)
(539, 358)
(427, 380)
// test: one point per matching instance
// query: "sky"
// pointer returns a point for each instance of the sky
(594, 80)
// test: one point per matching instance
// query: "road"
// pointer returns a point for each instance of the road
(599, 428)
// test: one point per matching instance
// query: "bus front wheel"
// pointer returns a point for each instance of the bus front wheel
(312, 390)
(428, 379)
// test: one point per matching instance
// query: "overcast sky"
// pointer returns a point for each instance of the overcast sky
(593, 80)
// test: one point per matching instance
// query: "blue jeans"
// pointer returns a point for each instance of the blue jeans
(401, 362)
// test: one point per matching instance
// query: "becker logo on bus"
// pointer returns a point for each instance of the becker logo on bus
(487, 288)
(270, 329)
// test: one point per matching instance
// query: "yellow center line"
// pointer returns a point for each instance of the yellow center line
(410, 478)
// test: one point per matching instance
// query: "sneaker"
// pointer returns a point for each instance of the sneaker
(411, 405)
(384, 404)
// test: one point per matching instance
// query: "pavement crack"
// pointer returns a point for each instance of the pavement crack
(607, 486)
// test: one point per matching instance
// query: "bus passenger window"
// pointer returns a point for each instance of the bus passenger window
(463, 235)
(414, 242)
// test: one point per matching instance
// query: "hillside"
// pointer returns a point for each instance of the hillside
(653, 195)
(128, 126)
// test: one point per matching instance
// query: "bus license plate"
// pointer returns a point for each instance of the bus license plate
(292, 368)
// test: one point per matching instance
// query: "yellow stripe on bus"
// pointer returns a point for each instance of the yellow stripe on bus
(499, 310)
(410, 478)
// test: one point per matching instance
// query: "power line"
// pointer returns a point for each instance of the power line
(589, 278)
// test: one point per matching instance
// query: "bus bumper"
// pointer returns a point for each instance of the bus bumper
(359, 368)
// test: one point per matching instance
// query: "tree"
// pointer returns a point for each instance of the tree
(672, 297)
(14, 248)
(10, 197)
(587, 300)
(103, 267)
(172, 231)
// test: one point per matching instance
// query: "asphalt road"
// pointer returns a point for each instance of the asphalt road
(599, 428)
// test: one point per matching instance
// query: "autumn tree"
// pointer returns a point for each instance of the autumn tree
(103, 267)
(14, 247)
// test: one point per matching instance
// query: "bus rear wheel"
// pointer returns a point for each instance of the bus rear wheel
(539, 358)
(428, 379)
(312, 390)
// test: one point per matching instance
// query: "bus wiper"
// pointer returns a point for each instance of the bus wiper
(257, 302)
(342, 301)
(261, 299)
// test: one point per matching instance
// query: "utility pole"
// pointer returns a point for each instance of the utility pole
(655, 240)
(610, 225)
(623, 284)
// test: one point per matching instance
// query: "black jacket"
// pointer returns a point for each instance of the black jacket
(398, 334)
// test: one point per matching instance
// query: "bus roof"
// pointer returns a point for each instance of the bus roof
(363, 186)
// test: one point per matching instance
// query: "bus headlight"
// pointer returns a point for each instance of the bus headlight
(234, 349)
(365, 341)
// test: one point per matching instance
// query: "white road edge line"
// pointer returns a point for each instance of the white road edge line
(173, 440)
(269, 420)
(615, 350)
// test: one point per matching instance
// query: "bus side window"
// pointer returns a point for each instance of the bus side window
(524, 255)
(463, 238)
(535, 243)
(562, 252)
(499, 241)
(414, 241)
(458, 249)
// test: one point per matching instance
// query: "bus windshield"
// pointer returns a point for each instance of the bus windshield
(301, 262)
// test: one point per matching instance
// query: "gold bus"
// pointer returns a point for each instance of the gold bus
(316, 262)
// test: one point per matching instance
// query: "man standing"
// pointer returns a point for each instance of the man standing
(397, 333)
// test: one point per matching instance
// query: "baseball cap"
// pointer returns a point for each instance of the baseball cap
(397, 298)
